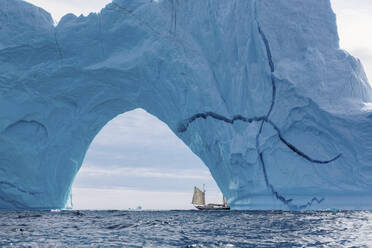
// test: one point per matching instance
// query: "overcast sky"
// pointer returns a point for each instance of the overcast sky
(130, 164)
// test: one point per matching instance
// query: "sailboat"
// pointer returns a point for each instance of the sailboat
(198, 200)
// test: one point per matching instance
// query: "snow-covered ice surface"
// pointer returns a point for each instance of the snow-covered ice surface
(258, 89)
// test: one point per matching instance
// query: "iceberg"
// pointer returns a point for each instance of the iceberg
(258, 89)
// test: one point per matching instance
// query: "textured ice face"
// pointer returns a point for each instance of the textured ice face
(259, 90)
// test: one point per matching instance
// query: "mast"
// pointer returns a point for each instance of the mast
(224, 201)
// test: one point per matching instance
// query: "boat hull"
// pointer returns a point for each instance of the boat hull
(212, 207)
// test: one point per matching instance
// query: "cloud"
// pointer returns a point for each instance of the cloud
(137, 127)
(146, 173)
(356, 5)
(354, 29)
(138, 139)
(144, 178)
(364, 54)
(121, 198)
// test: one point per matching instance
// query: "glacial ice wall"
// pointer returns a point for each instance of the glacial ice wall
(258, 89)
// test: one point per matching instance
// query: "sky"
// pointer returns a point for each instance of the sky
(137, 161)
(354, 18)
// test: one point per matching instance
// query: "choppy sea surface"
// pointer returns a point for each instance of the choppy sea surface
(185, 229)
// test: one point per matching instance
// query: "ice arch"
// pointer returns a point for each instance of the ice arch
(259, 90)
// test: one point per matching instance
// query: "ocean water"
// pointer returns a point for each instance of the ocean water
(185, 229)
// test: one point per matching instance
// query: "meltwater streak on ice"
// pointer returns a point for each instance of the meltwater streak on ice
(185, 229)
(288, 127)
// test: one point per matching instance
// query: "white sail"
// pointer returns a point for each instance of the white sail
(199, 197)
